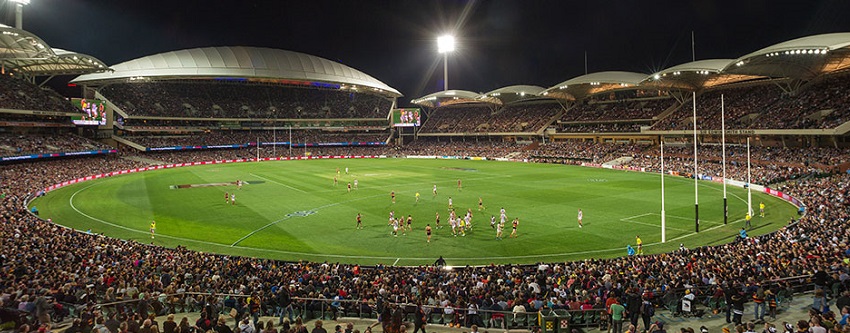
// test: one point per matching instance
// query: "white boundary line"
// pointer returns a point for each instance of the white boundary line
(318, 255)
(630, 219)
(279, 183)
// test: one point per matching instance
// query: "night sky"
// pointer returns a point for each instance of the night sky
(501, 43)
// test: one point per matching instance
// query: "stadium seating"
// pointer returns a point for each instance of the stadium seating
(40, 259)
(16, 93)
(804, 110)
(25, 144)
(739, 102)
(243, 137)
(480, 118)
(619, 110)
(240, 100)
(820, 104)
(455, 119)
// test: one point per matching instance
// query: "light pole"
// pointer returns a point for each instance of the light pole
(445, 44)
(19, 12)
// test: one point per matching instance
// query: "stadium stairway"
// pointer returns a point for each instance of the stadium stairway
(128, 143)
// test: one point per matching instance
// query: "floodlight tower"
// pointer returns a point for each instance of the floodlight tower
(445, 44)
(19, 12)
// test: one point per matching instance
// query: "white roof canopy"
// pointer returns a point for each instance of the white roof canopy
(25, 52)
(594, 83)
(447, 97)
(800, 58)
(512, 93)
(239, 62)
(696, 75)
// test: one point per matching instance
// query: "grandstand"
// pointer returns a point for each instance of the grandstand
(791, 98)
(237, 94)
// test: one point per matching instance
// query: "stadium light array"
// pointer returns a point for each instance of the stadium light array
(445, 45)
(817, 51)
(19, 12)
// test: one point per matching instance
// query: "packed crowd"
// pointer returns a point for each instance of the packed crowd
(522, 117)
(737, 103)
(24, 144)
(202, 155)
(600, 127)
(768, 164)
(619, 110)
(242, 100)
(525, 117)
(823, 104)
(172, 124)
(243, 137)
(33, 120)
(577, 152)
(17, 93)
(455, 118)
(471, 147)
(802, 110)
(41, 260)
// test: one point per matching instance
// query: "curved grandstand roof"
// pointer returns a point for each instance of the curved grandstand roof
(594, 83)
(62, 63)
(239, 62)
(26, 52)
(447, 97)
(17, 43)
(799, 58)
(696, 75)
(511, 94)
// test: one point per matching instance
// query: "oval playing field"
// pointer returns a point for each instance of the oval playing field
(292, 210)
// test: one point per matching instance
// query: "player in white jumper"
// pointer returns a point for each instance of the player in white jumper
(580, 216)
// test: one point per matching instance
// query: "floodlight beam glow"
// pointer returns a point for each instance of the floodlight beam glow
(445, 44)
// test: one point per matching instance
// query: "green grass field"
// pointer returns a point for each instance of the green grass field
(291, 210)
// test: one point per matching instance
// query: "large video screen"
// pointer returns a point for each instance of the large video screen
(93, 112)
(407, 117)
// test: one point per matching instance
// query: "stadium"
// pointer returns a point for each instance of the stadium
(711, 193)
